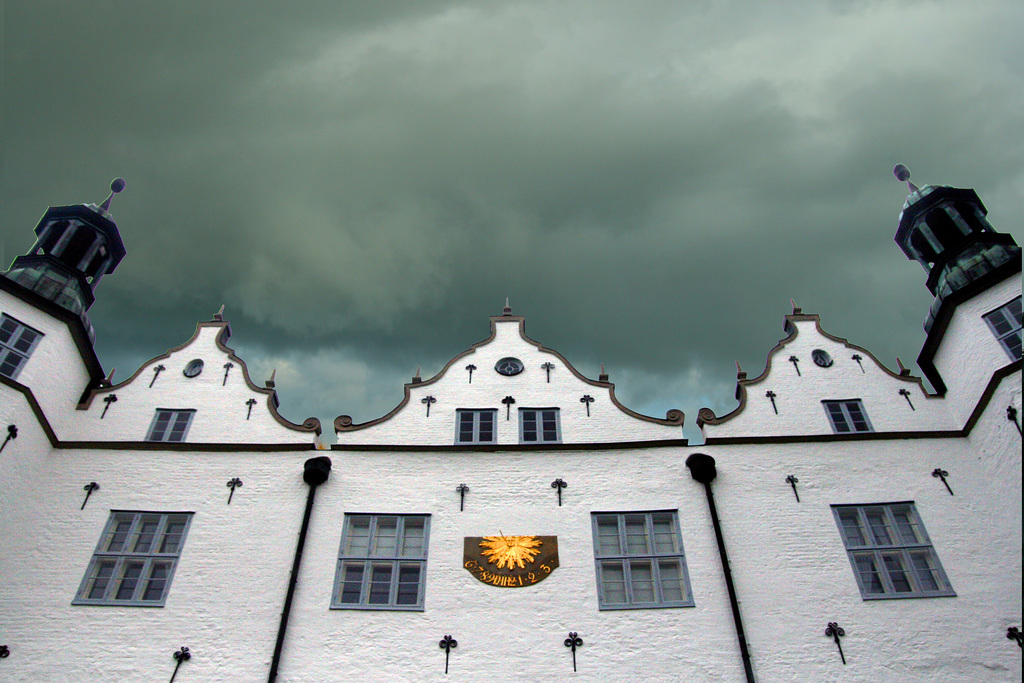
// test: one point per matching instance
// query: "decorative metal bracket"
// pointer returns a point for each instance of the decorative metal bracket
(1011, 415)
(447, 644)
(796, 364)
(89, 488)
(462, 488)
(156, 373)
(111, 398)
(792, 481)
(508, 401)
(587, 400)
(573, 641)
(771, 396)
(940, 473)
(835, 632)
(182, 655)
(1012, 633)
(227, 369)
(428, 400)
(235, 483)
(559, 484)
(548, 367)
(251, 402)
(12, 433)
(858, 358)
(471, 368)
(906, 394)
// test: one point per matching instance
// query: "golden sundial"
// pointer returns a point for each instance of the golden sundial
(510, 561)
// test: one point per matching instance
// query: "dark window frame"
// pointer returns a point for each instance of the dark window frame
(475, 423)
(539, 430)
(843, 420)
(357, 568)
(13, 334)
(1005, 324)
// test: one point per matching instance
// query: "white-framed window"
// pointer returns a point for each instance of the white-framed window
(382, 563)
(890, 552)
(17, 341)
(1005, 325)
(539, 425)
(170, 425)
(475, 426)
(135, 559)
(847, 417)
(640, 560)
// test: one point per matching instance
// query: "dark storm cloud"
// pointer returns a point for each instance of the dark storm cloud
(363, 183)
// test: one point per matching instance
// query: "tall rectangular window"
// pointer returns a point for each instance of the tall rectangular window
(891, 554)
(17, 341)
(640, 560)
(382, 563)
(1005, 325)
(170, 425)
(135, 559)
(847, 417)
(475, 426)
(539, 425)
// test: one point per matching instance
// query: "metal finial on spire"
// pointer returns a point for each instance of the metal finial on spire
(902, 174)
(508, 309)
(116, 186)
(219, 315)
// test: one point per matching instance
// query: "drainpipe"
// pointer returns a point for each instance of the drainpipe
(702, 468)
(316, 473)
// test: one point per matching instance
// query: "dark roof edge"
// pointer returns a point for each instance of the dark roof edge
(495, 448)
(926, 360)
(343, 423)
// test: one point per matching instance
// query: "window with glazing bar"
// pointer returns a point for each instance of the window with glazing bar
(135, 559)
(17, 341)
(475, 426)
(890, 552)
(847, 417)
(640, 560)
(1005, 325)
(539, 425)
(382, 563)
(170, 425)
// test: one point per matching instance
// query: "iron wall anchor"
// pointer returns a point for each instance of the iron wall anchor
(227, 369)
(906, 394)
(792, 481)
(447, 644)
(559, 484)
(156, 373)
(573, 641)
(471, 368)
(548, 367)
(182, 655)
(1011, 415)
(508, 401)
(89, 488)
(233, 484)
(836, 632)
(12, 433)
(251, 402)
(462, 488)
(771, 395)
(112, 398)
(428, 400)
(587, 400)
(942, 474)
(1014, 633)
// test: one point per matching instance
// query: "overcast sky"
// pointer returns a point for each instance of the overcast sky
(363, 183)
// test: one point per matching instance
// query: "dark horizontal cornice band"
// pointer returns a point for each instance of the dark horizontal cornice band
(495, 447)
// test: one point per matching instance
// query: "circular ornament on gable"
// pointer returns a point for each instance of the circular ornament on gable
(509, 366)
(821, 358)
(193, 368)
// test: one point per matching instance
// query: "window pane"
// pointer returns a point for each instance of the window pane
(529, 425)
(906, 525)
(172, 535)
(851, 528)
(613, 583)
(664, 534)
(119, 534)
(412, 542)
(465, 426)
(636, 535)
(129, 579)
(641, 579)
(102, 572)
(860, 423)
(608, 542)
(897, 572)
(550, 426)
(879, 526)
(380, 584)
(835, 412)
(486, 419)
(145, 532)
(358, 541)
(671, 576)
(408, 585)
(385, 539)
(869, 577)
(352, 583)
(925, 571)
(158, 576)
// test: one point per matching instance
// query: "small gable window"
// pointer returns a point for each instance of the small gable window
(847, 417)
(539, 425)
(17, 341)
(1005, 325)
(475, 426)
(170, 426)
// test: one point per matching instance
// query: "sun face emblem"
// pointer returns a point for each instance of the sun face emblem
(510, 551)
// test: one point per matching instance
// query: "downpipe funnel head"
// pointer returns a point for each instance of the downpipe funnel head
(702, 467)
(317, 470)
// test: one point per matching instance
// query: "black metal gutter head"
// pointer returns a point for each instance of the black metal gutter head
(702, 467)
(317, 470)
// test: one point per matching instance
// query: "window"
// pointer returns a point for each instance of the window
(170, 425)
(17, 342)
(640, 561)
(475, 426)
(539, 425)
(847, 416)
(890, 552)
(135, 559)
(382, 563)
(1005, 325)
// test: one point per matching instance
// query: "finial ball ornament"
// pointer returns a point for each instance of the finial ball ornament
(117, 185)
(901, 172)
